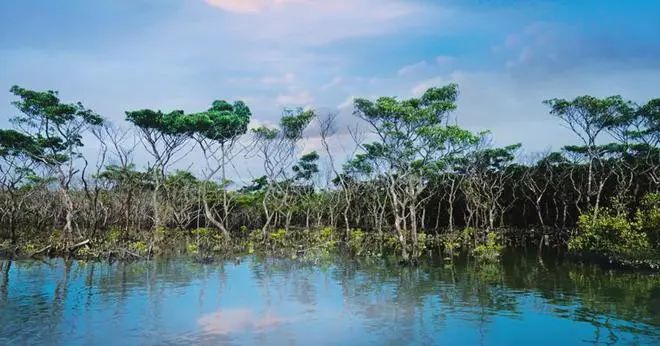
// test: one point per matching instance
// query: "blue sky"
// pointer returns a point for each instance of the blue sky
(506, 56)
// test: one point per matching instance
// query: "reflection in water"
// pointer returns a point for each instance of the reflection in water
(269, 301)
(237, 320)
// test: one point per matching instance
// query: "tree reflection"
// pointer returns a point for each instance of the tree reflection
(49, 302)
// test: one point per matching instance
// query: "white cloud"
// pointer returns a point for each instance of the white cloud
(419, 88)
(317, 22)
(513, 111)
(249, 6)
(298, 98)
(333, 83)
(347, 104)
(287, 78)
(409, 69)
(439, 63)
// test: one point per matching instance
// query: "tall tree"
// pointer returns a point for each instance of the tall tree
(58, 129)
(413, 138)
(16, 169)
(164, 136)
(277, 148)
(217, 130)
(588, 117)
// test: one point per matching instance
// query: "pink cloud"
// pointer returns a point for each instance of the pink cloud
(249, 6)
(237, 320)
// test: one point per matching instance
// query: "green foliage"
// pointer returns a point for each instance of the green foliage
(494, 159)
(355, 241)
(14, 143)
(265, 133)
(181, 179)
(52, 130)
(307, 166)
(139, 247)
(172, 123)
(126, 177)
(327, 233)
(403, 175)
(294, 122)
(207, 240)
(610, 234)
(223, 122)
(647, 219)
(490, 250)
(413, 133)
(590, 114)
(452, 242)
(114, 235)
(280, 234)
(278, 238)
(422, 240)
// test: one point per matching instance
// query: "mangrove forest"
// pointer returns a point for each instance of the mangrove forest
(404, 180)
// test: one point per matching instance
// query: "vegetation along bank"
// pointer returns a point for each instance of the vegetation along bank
(400, 179)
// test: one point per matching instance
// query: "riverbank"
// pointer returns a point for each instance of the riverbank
(207, 245)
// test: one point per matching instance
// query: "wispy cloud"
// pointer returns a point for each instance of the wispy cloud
(277, 53)
(301, 98)
(442, 61)
(285, 79)
(408, 69)
(249, 6)
(320, 21)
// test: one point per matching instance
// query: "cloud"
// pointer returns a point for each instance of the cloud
(298, 98)
(249, 6)
(419, 88)
(318, 22)
(230, 321)
(333, 83)
(408, 69)
(513, 111)
(287, 78)
(424, 66)
(543, 48)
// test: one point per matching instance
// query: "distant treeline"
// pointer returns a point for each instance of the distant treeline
(410, 177)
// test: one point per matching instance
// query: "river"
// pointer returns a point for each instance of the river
(255, 300)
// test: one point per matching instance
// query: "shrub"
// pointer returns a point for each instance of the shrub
(355, 241)
(327, 233)
(138, 247)
(647, 218)
(278, 238)
(609, 234)
(421, 241)
(488, 251)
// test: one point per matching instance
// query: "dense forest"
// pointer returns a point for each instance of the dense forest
(408, 181)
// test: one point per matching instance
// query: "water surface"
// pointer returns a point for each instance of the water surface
(274, 301)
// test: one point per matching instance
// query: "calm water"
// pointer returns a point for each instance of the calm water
(268, 301)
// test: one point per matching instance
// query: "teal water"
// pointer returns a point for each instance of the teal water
(268, 301)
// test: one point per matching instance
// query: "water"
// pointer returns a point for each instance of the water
(268, 301)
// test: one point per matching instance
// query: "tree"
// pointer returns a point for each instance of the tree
(163, 135)
(57, 128)
(16, 171)
(277, 148)
(343, 179)
(413, 139)
(217, 130)
(304, 172)
(588, 117)
(489, 173)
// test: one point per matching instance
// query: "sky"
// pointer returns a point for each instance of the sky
(507, 56)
